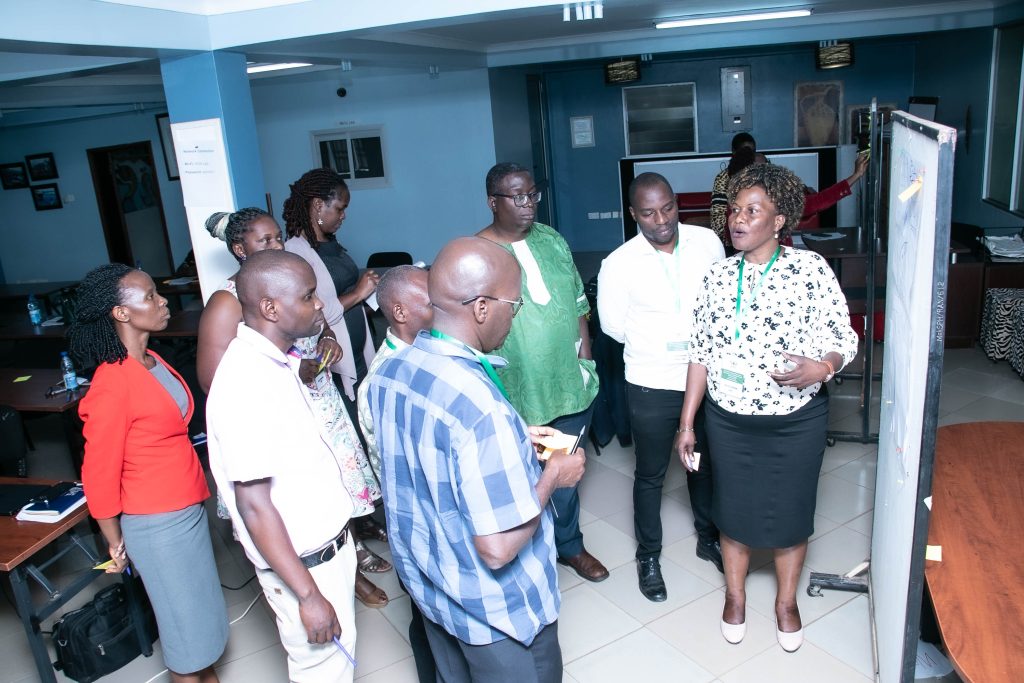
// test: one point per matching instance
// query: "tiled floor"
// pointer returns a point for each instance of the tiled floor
(604, 626)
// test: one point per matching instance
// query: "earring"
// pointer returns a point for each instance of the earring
(776, 235)
(319, 221)
(242, 258)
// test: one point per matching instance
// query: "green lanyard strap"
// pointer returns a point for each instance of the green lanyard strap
(673, 282)
(488, 368)
(753, 295)
(391, 344)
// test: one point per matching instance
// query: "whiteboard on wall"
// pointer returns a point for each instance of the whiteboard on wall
(920, 197)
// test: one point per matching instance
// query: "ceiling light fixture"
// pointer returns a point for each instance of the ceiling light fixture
(584, 10)
(708, 19)
(255, 68)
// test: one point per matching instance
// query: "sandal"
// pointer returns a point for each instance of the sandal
(367, 527)
(369, 561)
(369, 594)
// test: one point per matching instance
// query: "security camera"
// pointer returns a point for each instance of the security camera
(341, 92)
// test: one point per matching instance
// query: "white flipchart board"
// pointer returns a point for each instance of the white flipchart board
(921, 180)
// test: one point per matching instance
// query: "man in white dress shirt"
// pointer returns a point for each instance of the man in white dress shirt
(280, 478)
(645, 297)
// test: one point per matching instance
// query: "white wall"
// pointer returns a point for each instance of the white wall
(439, 145)
(64, 244)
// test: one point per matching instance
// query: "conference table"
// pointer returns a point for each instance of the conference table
(976, 517)
(20, 545)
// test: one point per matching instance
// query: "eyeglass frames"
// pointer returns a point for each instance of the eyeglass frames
(521, 200)
(516, 305)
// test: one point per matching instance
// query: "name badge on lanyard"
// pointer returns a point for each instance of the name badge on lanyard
(322, 381)
(732, 376)
(679, 349)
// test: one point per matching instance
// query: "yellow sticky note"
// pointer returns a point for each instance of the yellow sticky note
(104, 565)
(933, 553)
(911, 190)
(23, 378)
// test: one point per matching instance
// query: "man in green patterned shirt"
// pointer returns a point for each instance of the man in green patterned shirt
(550, 375)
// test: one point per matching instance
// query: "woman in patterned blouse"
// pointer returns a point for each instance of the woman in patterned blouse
(770, 329)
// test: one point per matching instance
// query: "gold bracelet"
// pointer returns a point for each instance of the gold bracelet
(831, 370)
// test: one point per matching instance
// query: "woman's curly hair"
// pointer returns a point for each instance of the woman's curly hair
(92, 337)
(783, 187)
(320, 183)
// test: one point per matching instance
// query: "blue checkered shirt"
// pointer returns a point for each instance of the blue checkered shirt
(457, 462)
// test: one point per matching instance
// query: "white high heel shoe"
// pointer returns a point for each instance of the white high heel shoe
(790, 642)
(733, 633)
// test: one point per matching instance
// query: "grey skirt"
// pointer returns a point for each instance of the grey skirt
(172, 553)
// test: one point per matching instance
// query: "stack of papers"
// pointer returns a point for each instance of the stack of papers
(1005, 248)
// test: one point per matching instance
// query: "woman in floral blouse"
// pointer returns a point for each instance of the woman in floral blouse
(770, 329)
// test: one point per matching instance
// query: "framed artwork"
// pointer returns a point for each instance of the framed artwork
(817, 113)
(46, 197)
(857, 122)
(41, 166)
(582, 128)
(163, 124)
(13, 176)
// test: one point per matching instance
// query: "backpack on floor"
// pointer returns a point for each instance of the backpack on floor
(99, 638)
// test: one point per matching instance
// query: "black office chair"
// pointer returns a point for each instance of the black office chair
(13, 450)
(388, 259)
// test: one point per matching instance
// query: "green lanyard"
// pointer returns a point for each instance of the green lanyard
(391, 344)
(673, 281)
(488, 368)
(753, 294)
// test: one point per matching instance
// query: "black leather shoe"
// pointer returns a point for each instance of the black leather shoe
(652, 586)
(710, 550)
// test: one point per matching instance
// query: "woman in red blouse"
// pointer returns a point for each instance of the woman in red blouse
(143, 482)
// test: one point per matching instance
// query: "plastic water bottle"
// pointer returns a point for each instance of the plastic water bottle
(68, 370)
(35, 314)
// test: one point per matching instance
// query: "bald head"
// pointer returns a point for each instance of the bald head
(467, 267)
(481, 273)
(644, 182)
(277, 291)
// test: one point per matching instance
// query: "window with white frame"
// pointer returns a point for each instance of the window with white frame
(1004, 159)
(356, 154)
(660, 119)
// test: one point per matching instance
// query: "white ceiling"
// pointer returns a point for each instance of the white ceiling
(35, 73)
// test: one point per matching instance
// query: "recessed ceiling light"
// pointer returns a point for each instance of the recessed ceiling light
(705, 20)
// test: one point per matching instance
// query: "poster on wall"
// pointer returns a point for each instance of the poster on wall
(817, 113)
(205, 188)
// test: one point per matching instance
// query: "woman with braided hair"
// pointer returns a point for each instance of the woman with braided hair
(313, 213)
(771, 328)
(143, 482)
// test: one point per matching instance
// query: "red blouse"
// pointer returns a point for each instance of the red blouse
(138, 456)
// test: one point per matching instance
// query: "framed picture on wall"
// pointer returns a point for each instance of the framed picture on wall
(41, 166)
(163, 124)
(817, 113)
(13, 176)
(46, 197)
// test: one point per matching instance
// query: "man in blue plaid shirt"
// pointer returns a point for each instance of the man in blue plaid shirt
(465, 497)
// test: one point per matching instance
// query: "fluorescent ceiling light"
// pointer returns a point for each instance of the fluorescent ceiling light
(706, 20)
(260, 68)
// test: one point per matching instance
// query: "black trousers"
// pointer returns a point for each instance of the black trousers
(654, 417)
(504, 661)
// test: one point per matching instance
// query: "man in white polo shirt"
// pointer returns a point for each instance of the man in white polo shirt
(280, 479)
(645, 296)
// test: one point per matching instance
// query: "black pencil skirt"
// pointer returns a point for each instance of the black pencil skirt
(766, 472)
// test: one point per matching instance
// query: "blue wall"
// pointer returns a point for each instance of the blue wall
(439, 144)
(957, 71)
(587, 178)
(64, 244)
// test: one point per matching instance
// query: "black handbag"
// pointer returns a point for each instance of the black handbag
(100, 638)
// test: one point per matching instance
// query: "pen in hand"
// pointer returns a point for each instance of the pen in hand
(345, 652)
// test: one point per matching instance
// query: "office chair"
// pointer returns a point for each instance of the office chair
(388, 259)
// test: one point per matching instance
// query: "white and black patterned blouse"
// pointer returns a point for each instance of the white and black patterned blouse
(799, 309)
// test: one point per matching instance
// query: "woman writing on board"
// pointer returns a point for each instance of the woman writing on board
(770, 329)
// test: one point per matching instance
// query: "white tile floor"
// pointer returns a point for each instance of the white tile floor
(604, 626)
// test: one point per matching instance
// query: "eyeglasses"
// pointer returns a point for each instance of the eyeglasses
(516, 305)
(522, 199)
